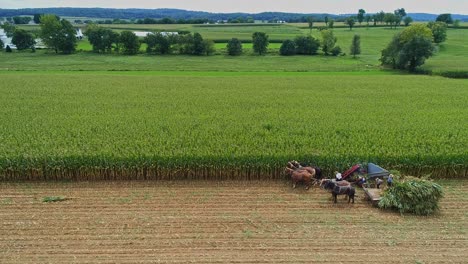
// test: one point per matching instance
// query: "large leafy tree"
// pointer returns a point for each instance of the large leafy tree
(234, 47)
(306, 45)
(129, 42)
(439, 31)
(447, 18)
(408, 20)
(158, 43)
(400, 12)
(409, 48)
(209, 46)
(58, 35)
(37, 18)
(360, 15)
(102, 39)
(356, 46)
(23, 39)
(198, 44)
(21, 20)
(185, 44)
(328, 41)
(260, 42)
(350, 22)
(288, 48)
(391, 19)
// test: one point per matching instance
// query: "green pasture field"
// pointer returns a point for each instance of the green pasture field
(87, 61)
(77, 121)
(450, 55)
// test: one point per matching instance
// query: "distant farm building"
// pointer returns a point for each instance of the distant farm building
(79, 33)
(146, 33)
(6, 40)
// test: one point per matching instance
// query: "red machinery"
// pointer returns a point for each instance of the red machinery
(350, 171)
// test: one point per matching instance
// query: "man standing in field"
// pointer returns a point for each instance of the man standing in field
(390, 180)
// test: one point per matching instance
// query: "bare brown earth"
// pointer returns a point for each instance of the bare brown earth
(220, 222)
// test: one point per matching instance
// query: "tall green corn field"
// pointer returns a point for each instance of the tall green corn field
(97, 126)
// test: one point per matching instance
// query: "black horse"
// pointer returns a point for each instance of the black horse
(339, 190)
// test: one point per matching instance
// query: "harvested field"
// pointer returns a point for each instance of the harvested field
(219, 222)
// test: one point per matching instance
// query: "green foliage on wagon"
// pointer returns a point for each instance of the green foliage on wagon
(412, 195)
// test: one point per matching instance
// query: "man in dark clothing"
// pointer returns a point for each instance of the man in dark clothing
(390, 180)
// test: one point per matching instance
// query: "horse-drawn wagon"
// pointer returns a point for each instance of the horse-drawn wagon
(373, 172)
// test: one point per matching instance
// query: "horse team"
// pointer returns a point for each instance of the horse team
(313, 175)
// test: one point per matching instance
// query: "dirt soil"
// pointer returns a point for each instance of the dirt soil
(220, 222)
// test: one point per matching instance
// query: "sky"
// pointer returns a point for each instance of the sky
(257, 6)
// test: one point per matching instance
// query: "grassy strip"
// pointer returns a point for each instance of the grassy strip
(201, 73)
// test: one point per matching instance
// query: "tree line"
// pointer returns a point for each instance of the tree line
(407, 50)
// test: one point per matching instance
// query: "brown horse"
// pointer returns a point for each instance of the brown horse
(315, 171)
(301, 175)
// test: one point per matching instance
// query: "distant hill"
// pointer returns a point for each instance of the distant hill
(185, 14)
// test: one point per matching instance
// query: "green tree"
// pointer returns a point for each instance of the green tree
(409, 48)
(288, 48)
(21, 20)
(209, 47)
(380, 16)
(356, 46)
(408, 20)
(306, 45)
(456, 23)
(185, 44)
(330, 23)
(375, 19)
(37, 18)
(326, 20)
(391, 19)
(400, 12)
(130, 44)
(415, 30)
(8, 49)
(439, 31)
(198, 45)
(447, 18)
(310, 22)
(360, 15)
(260, 42)
(58, 34)
(102, 39)
(1, 45)
(23, 39)
(234, 47)
(368, 19)
(350, 22)
(328, 41)
(336, 51)
(158, 43)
